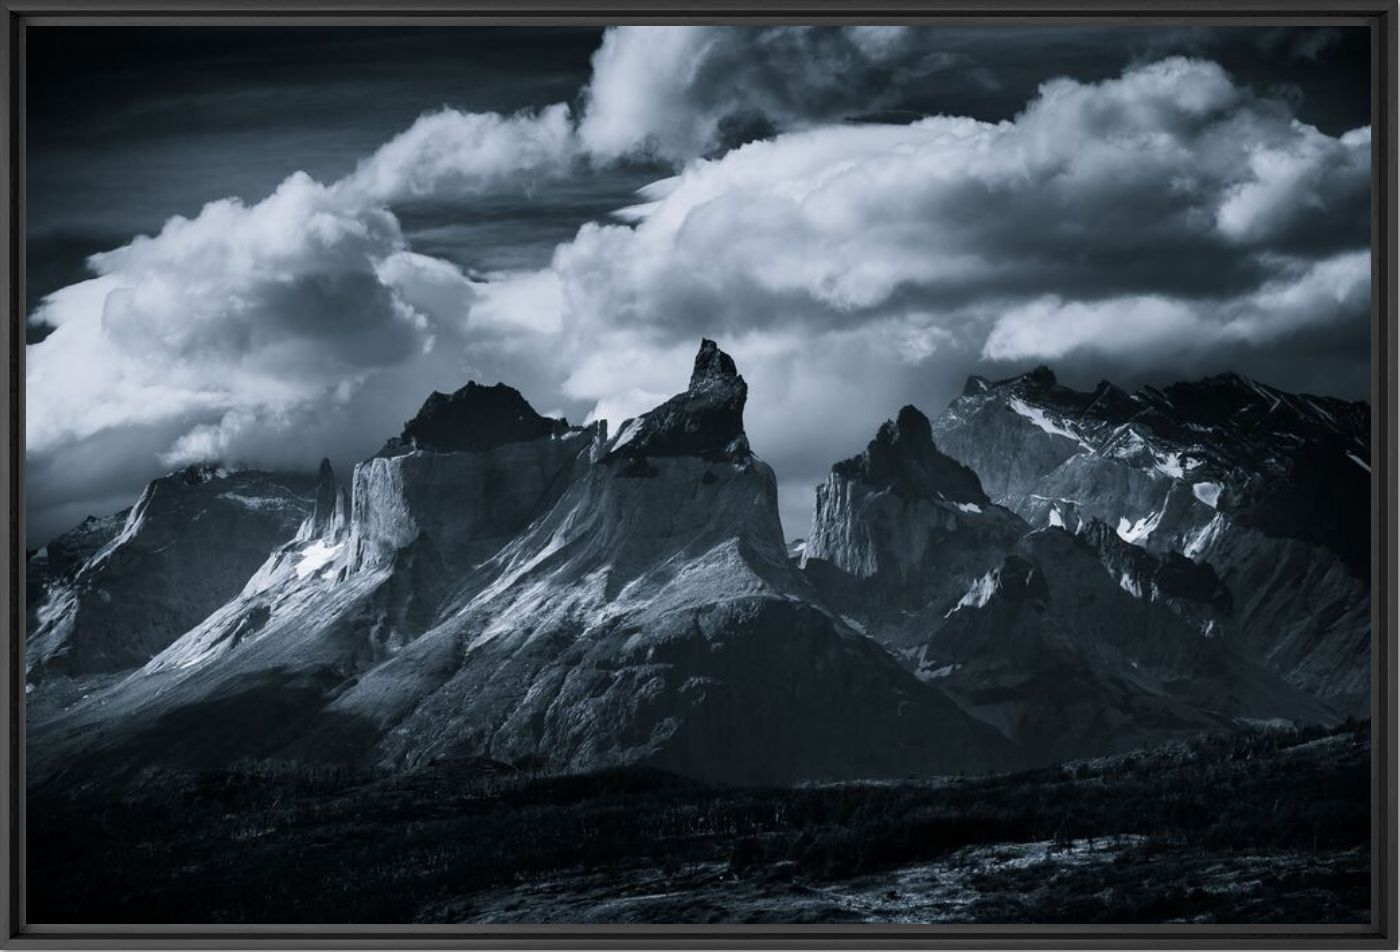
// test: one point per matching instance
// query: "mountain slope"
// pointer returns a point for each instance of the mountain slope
(900, 531)
(1070, 644)
(1271, 489)
(117, 593)
(558, 598)
(1070, 661)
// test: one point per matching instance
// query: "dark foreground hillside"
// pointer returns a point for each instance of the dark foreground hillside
(1264, 827)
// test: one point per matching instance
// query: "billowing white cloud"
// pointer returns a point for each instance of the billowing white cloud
(1165, 214)
(670, 91)
(240, 307)
(1299, 184)
(1127, 182)
(265, 334)
(249, 333)
(455, 153)
(1119, 225)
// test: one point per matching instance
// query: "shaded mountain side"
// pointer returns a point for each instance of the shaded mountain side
(1068, 661)
(1268, 488)
(55, 564)
(476, 417)
(900, 531)
(1069, 643)
(188, 545)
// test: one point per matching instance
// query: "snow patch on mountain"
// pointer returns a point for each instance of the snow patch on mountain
(317, 556)
(1042, 420)
(1208, 493)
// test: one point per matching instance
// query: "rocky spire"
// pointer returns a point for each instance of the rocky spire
(904, 459)
(706, 421)
(323, 516)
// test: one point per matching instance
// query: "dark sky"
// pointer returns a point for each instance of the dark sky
(268, 332)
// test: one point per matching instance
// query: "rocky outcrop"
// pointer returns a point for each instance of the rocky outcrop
(51, 569)
(1070, 661)
(706, 421)
(187, 546)
(473, 418)
(535, 601)
(901, 530)
(1268, 488)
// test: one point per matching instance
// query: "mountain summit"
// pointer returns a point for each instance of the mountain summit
(534, 601)
(707, 420)
(903, 459)
(473, 418)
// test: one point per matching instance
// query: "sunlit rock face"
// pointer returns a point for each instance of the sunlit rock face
(1271, 489)
(546, 596)
(116, 596)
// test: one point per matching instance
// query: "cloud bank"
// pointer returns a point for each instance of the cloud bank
(1159, 222)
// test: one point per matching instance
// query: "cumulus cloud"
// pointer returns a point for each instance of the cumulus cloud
(239, 307)
(674, 92)
(1095, 190)
(1162, 219)
(264, 334)
(455, 153)
(1158, 222)
(1145, 331)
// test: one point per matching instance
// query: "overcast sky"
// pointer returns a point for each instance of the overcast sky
(267, 245)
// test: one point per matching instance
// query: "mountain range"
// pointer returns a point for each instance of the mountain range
(1034, 575)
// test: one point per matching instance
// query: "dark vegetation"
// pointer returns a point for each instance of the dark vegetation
(267, 842)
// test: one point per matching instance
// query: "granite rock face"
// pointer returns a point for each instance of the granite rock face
(533, 601)
(1270, 489)
(1070, 661)
(707, 420)
(1070, 643)
(187, 546)
(901, 530)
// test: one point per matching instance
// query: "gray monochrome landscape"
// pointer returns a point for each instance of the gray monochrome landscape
(746, 498)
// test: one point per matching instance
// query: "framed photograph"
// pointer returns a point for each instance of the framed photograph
(715, 475)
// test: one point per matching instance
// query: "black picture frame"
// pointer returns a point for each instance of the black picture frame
(1379, 15)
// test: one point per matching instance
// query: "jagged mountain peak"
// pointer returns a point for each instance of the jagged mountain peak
(976, 384)
(903, 459)
(707, 420)
(330, 511)
(473, 418)
(712, 366)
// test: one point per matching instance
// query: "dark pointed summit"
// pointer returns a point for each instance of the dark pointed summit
(911, 426)
(706, 421)
(1040, 376)
(903, 459)
(473, 418)
(712, 365)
